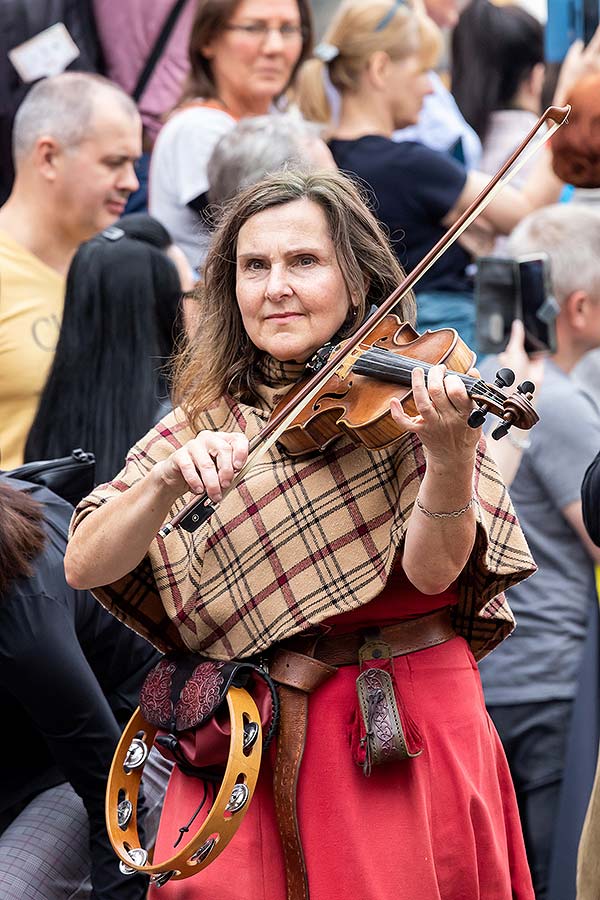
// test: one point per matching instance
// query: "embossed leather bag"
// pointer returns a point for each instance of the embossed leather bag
(383, 731)
(184, 697)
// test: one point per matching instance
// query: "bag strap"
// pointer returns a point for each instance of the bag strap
(159, 46)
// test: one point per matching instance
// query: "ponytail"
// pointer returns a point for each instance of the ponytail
(311, 92)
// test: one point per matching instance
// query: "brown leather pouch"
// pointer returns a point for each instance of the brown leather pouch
(384, 732)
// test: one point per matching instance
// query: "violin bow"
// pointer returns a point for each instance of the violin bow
(201, 508)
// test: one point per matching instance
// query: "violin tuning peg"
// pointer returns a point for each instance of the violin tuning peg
(526, 387)
(500, 431)
(476, 418)
(505, 377)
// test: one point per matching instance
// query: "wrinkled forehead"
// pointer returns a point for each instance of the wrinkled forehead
(295, 220)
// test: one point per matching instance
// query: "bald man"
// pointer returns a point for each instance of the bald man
(75, 140)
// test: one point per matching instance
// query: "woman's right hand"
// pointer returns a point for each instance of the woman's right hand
(208, 463)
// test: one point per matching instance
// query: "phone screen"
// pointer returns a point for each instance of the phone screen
(538, 307)
(496, 291)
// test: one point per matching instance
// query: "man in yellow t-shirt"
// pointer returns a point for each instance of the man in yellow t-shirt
(75, 140)
(31, 302)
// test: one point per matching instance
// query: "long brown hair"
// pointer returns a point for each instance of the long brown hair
(356, 33)
(220, 357)
(22, 534)
(210, 20)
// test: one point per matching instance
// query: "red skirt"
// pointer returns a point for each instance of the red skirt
(441, 826)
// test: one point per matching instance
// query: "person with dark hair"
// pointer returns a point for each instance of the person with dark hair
(498, 75)
(122, 320)
(498, 72)
(243, 57)
(392, 559)
(69, 678)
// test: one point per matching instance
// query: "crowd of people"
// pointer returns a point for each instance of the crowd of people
(206, 199)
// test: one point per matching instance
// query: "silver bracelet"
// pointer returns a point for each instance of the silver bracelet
(446, 515)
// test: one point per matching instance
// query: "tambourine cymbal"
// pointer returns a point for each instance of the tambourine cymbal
(226, 813)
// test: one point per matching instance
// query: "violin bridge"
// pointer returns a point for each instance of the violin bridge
(345, 367)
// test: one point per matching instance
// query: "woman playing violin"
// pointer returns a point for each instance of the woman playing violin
(400, 555)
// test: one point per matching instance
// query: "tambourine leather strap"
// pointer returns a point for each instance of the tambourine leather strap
(223, 820)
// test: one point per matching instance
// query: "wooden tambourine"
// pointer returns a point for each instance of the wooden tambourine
(225, 816)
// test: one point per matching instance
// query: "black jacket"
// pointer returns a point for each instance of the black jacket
(70, 676)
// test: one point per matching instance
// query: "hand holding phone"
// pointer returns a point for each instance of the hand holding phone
(515, 357)
(507, 289)
(496, 285)
(538, 306)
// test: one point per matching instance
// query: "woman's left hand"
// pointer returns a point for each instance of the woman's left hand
(443, 407)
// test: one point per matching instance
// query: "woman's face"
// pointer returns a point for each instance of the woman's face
(253, 57)
(408, 85)
(290, 288)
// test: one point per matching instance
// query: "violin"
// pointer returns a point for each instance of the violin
(355, 399)
(378, 358)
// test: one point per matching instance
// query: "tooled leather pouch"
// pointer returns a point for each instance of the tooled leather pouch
(184, 697)
(384, 732)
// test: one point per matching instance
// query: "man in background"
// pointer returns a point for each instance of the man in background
(531, 681)
(75, 140)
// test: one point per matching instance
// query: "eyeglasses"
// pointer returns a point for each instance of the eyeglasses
(259, 31)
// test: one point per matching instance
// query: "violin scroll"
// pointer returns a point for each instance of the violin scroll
(517, 408)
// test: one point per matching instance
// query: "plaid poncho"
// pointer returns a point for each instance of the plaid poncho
(298, 541)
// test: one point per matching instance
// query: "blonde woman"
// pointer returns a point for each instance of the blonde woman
(377, 55)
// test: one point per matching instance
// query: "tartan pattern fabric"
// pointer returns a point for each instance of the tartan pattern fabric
(297, 541)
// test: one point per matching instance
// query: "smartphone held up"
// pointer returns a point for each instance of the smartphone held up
(515, 288)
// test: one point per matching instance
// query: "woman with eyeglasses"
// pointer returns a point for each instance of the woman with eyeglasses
(377, 54)
(243, 57)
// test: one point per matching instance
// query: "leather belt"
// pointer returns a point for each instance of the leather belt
(402, 638)
(300, 667)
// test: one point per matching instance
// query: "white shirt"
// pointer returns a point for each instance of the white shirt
(178, 174)
(441, 124)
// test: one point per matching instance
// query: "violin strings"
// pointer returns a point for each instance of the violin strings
(386, 365)
(407, 364)
(376, 360)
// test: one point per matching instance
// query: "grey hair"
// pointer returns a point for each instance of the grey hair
(570, 234)
(256, 147)
(63, 107)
